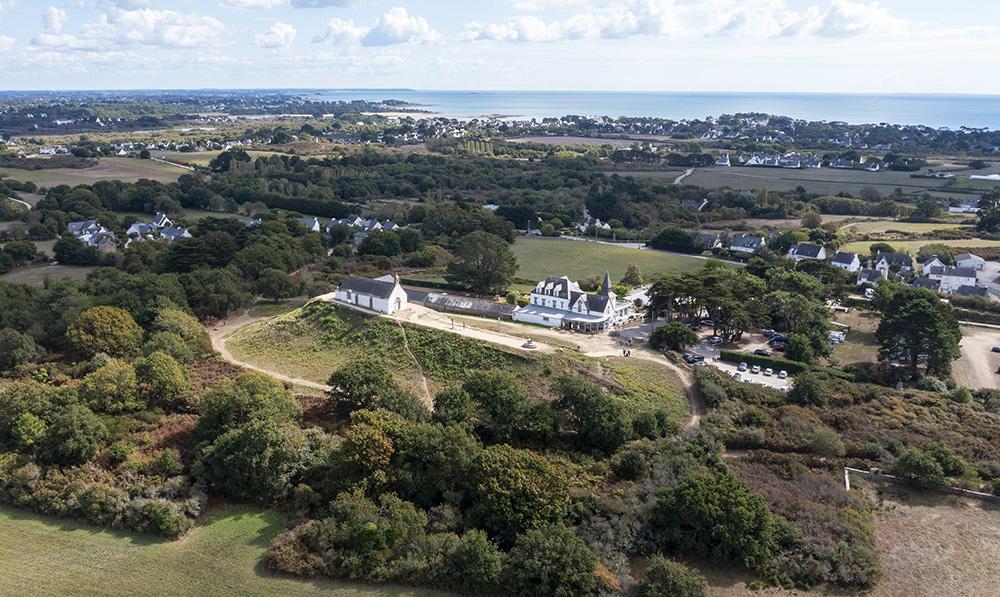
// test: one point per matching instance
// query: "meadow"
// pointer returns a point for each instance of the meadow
(44, 556)
(912, 246)
(201, 158)
(37, 274)
(821, 180)
(541, 257)
(883, 226)
(124, 169)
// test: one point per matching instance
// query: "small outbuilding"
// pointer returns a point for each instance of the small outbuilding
(382, 295)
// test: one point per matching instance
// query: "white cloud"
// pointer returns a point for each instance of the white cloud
(394, 27)
(128, 4)
(5, 4)
(6, 42)
(119, 28)
(635, 17)
(844, 18)
(53, 20)
(321, 3)
(252, 4)
(279, 35)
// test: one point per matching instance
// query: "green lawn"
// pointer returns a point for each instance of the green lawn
(860, 345)
(44, 556)
(648, 387)
(821, 180)
(541, 257)
(912, 246)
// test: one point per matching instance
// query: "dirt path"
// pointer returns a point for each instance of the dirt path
(978, 365)
(219, 333)
(428, 398)
(681, 178)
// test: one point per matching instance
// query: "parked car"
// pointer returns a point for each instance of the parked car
(768, 372)
(742, 367)
(694, 326)
(869, 293)
(778, 348)
(689, 358)
(715, 340)
(700, 363)
(996, 349)
(738, 377)
(762, 353)
(768, 332)
(707, 322)
(755, 370)
(782, 374)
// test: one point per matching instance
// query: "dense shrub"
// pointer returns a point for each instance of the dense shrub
(162, 381)
(168, 343)
(551, 561)
(112, 389)
(73, 437)
(250, 397)
(107, 330)
(667, 578)
(17, 349)
(599, 421)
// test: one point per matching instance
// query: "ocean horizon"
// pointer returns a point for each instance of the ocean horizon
(951, 111)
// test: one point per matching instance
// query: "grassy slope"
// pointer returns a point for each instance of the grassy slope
(541, 257)
(311, 343)
(44, 556)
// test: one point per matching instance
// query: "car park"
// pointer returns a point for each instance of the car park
(762, 353)
(768, 372)
(715, 340)
(755, 370)
(742, 367)
(782, 374)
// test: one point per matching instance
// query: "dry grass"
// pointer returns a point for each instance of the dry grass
(123, 169)
(861, 345)
(930, 544)
(35, 275)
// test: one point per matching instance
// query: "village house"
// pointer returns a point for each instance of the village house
(708, 239)
(311, 224)
(972, 291)
(869, 276)
(93, 234)
(558, 302)
(953, 278)
(927, 283)
(746, 244)
(382, 295)
(803, 251)
(160, 220)
(970, 261)
(933, 261)
(847, 261)
(172, 233)
(724, 161)
(889, 262)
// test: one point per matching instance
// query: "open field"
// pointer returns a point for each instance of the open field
(881, 226)
(568, 141)
(44, 556)
(541, 257)
(200, 158)
(35, 275)
(819, 180)
(933, 544)
(668, 174)
(912, 246)
(860, 345)
(124, 169)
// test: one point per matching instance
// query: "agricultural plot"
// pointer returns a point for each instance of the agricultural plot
(883, 226)
(43, 556)
(821, 180)
(37, 274)
(201, 158)
(912, 246)
(567, 141)
(541, 257)
(123, 169)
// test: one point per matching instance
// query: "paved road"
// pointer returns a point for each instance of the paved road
(24, 203)
(681, 178)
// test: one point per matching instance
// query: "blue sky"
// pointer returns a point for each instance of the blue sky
(646, 45)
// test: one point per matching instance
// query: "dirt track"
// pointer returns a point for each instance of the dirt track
(978, 365)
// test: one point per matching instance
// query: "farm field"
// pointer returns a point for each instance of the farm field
(35, 275)
(670, 175)
(541, 257)
(45, 556)
(568, 141)
(822, 180)
(200, 158)
(124, 169)
(912, 246)
(880, 226)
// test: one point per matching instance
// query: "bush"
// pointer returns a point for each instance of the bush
(253, 462)
(474, 564)
(551, 561)
(107, 330)
(119, 451)
(73, 437)
(919, 467)
(112, 389)
(631, 466)
(809, 389)
(17, 349)
(175, 321)
(163, 381)
(250, 397)
(600, 422)
(167, 464)
(169, 343)
(667, 578)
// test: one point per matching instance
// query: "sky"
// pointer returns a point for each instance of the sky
(857, 46)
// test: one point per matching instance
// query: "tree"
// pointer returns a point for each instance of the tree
(255, 461)
(667, 578)
(809, 390)
(163, 381)
(380, 242)
(920, 467)
(799, 348)
(633, 276)
(168, 343)
(186, 326)
(812, 219)
(69, 250)
(474, 564)
(112, 389)
(250, 397)
(107, 330)
(454, 406)
(513, 490)
(144, 154)
(360, 384)
(717, 516)
(916, 324)
(673, 336)
(432, 460)
(502, 401)
(17, 349)
(940, 250)
(599, 421)
(410, 240)
(927, 210)
(275, 284)
(551, 562)
(677, 240)
(73, 437)
(484, 263)
(876, 248)
(213, 292)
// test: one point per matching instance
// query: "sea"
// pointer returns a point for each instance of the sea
(933, 110)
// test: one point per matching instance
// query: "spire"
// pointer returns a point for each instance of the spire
(606, 287)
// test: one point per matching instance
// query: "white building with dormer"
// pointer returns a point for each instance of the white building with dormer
(558, 302)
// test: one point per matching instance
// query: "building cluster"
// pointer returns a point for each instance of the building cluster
(362, 227)
(797, 161)
(159, 228)
(558, 302)
(93, 234)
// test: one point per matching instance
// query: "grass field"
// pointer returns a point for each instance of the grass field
(565, 141)
(912, 246)
(881, 226)
(35, 275)
(860, 345)
(821, 180)
(43, 556)
(201, 158)
(124, 169)
(541, 257)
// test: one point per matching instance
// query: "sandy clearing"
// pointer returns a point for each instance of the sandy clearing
(978, 365)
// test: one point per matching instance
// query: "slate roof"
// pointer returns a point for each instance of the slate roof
(843, 257)
(807, 250)
(869, 275)
(706, 238)
(895, 258)
(746, 242)
(379, 288)
(957, 272)
(927, 283)
(971, 291)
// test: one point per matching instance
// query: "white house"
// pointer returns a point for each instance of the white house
(160, 220)
(966, 207)
(558, 302)
(724, 161)
(869, 276)
(383, 295)
(934, 261)
(953, 278)
(803, 251)
(171, 234)
(746, 244)
(971, 261)
(311, 224)
(886, 262)
(846, 261)
(708, 239)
